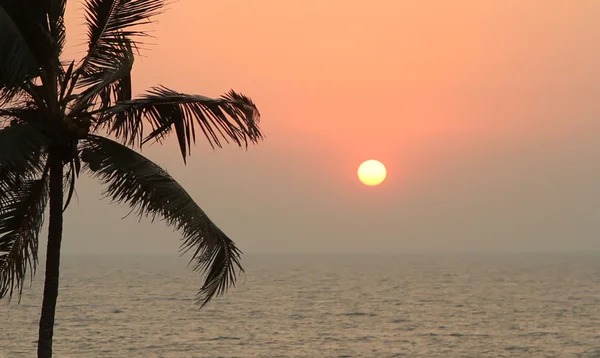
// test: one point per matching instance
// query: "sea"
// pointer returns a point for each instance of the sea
(471, 305)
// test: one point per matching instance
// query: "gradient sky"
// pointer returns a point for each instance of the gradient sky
(486, 114)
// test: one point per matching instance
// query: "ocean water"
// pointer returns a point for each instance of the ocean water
(320, 306)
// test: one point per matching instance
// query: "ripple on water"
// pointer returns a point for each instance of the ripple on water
(358, 314)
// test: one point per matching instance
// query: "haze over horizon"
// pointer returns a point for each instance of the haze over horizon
(486, 115)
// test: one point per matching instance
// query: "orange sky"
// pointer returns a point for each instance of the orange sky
(471, 105)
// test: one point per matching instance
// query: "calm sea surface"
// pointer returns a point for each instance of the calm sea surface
(321, 306)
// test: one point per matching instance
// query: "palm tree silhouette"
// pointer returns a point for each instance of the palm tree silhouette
(52, 117)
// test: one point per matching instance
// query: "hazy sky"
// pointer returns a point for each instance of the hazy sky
(486, 114)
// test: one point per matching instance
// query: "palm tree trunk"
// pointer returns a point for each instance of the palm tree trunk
(52, 257)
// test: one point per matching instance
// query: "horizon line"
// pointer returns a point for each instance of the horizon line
(405, 253)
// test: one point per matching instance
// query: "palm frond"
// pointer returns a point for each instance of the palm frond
(150, 191)
(22, 147)
(56, 19)
(109, 21)
(69, 181)
(65, 77)
(25, 112)
(18, 61)
(22, 156)
(21, 219)
(233, 116)
(32, 37)
(109, 83)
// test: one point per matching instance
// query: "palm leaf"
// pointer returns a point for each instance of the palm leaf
(108, 84)
(113, 29)
(17, 60)
(22, 147)
(56, 21)
(32, 37)
(22, 155)
(25, 112)
(233, 116)
(69, 182)
(150, 191)
(21, 219)
(109, 21)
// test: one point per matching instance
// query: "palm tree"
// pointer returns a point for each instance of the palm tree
(52, 117)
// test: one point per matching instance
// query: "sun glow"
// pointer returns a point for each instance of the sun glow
(372, 172)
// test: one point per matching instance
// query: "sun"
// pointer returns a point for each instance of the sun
(372, 172)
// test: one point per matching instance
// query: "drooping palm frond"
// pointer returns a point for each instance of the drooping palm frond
(17, 60)
(233, 116)
(149, 190)
(22, 148)
(22, 157)
(69, 180)
(21, 219)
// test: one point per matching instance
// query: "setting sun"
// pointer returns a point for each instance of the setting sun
(372, 172)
